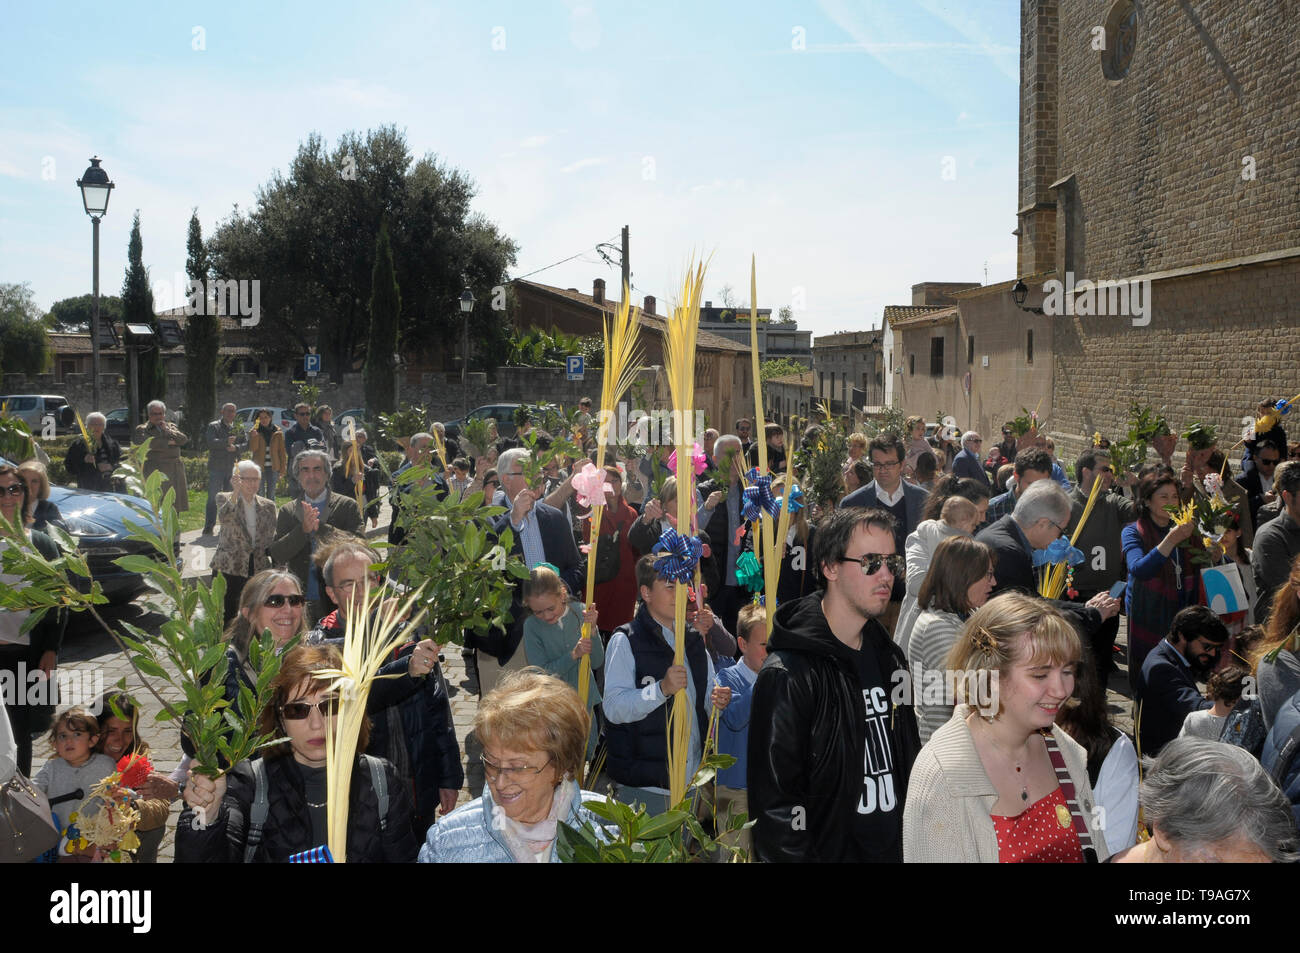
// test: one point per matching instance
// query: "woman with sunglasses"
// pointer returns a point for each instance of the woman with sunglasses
(533, 728)
(41, 511)
(296, 812)
(271, 601)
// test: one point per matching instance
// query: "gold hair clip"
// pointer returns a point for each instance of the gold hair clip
(983, 640)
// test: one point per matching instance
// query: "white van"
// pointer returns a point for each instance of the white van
(33, 409)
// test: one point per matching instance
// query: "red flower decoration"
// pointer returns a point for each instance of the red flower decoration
(135, 768)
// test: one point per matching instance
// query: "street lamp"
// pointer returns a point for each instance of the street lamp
(95, 188)
(466, 306)
(1019, 292)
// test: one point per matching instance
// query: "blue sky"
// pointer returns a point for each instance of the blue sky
(702, 126)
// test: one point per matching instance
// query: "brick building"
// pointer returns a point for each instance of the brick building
(849, 371)
(1168, 158)
(723, 372)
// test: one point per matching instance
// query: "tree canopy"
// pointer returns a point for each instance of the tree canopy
(73, 314)
(311, 243)
(24, 344)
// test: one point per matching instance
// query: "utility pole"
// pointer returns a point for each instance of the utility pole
(627, 265)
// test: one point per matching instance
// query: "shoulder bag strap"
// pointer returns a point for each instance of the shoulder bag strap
(261, 808)
(380, 780)
(1067, 788)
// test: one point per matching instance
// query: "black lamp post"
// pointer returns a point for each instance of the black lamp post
(95, 188)
(466, 307)
(1019, 292)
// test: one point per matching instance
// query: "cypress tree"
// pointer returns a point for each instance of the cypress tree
(385, 312)
(202, 338)
(137, 308)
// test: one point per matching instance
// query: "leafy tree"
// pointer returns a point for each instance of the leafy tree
(24, 343)
(137, 308)
(202, 338)
(785, 315)
(385, 313)
(780, 367)
(70, 315)
(311, 237)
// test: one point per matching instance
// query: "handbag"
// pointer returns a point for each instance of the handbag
(608, 559)
(26, 824)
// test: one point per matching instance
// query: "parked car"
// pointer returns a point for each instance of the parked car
(118, 426)
(503, 414)
(32, 409)
(359, 419)
(97, 521)
(281, 416)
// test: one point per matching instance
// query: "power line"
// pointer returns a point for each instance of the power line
(560, 262)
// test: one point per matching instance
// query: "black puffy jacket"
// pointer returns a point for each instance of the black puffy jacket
(287, 830)
(807, 731)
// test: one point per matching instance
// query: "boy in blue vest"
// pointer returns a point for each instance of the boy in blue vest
(640, 679)
(733, 730)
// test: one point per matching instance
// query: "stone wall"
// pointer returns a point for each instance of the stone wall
(1157, 156)
(1217, 344)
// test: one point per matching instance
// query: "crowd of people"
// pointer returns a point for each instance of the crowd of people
(916, 696)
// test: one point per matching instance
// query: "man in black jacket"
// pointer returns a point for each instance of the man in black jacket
(1166, 691)
(831, 743)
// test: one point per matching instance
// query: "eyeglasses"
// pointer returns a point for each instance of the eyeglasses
(250, 479)
(297, 711)
(277, 600)
(16, 490)
(1266, 462)
(887, 465)
(1059, 528)
(494, 771)
(872, 562)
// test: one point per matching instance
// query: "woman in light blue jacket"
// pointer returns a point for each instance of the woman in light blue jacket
(533, 729)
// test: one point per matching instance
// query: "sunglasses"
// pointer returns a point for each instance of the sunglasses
(16, 490)
(277, 600)
(1266, 462)
(297, 711)
(872, 562)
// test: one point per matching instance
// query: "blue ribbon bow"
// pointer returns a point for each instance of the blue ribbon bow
(679, 555)
(1060, 551)
(796, 501)
(758, 497)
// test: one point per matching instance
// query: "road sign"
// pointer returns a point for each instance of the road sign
(573, 367)
(311, 363)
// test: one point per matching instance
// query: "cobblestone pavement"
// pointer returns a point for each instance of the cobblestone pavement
(88, 650)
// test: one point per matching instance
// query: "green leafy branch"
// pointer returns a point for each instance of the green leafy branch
(633, 836)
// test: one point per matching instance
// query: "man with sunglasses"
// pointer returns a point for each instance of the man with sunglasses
(831, 738)
(902, 500)
(302, 435)
(1258, 480)
(1101, 544)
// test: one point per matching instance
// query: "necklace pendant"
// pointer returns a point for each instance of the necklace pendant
(1024, 794)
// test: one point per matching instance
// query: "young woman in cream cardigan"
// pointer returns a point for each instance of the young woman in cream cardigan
(984, 789)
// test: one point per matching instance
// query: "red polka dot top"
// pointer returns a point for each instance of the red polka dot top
(1042, 834)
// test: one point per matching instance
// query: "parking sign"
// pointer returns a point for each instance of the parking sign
(311, 363)
(573, 367)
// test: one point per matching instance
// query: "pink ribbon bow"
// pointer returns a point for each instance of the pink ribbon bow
(590, 484)
(700, 462)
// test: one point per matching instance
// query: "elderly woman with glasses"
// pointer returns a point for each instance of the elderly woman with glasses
(533, 728)
(92, 463)
(247, 531)
(41, 511)
(295, 816)
(1208, 802)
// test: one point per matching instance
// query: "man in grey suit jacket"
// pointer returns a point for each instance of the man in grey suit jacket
(902, 500)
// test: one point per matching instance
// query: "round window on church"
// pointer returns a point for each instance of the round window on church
(1121, 39)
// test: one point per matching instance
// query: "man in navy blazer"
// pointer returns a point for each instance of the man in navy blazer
(967, 463)
(1166, 690)
(904, 501)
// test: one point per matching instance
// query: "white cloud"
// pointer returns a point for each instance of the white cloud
(533, 142)
(586, 163)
